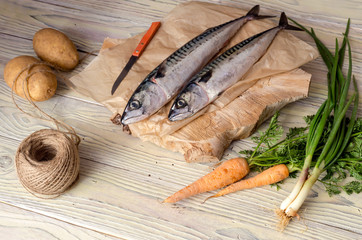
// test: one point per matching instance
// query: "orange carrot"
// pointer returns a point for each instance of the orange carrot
(269, 176)
(228, 172)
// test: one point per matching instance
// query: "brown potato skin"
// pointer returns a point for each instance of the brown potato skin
(56, 48)
(42, 85)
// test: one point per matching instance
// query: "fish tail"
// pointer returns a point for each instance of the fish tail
(283, 23)
(254, 13)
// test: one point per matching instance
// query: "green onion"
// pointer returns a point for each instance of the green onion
(337, 103)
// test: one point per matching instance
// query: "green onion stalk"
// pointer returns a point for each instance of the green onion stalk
(337, 103)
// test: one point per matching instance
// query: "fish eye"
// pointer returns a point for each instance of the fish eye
(181, 103)
(135, 104)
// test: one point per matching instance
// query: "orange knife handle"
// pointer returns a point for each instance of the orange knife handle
(146, 38)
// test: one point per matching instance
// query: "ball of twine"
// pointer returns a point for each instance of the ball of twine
(47, 162)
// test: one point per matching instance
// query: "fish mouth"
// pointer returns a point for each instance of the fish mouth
(178, 114)
(132, 117)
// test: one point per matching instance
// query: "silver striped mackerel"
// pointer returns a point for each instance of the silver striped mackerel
(223, 72)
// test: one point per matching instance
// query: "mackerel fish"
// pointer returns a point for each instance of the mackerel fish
(168, 78)
(223, 72)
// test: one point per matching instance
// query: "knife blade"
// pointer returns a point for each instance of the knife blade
(136, 53)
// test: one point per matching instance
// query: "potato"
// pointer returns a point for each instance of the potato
(41, 85)
(56, 48)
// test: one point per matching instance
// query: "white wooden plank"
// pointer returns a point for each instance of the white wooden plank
(17, 224)
(121, 210)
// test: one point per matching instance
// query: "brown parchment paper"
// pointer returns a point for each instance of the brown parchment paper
(272, 82)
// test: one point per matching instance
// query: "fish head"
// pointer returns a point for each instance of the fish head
(146, 100)
(192, 99)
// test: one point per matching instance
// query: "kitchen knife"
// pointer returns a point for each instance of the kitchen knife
(136, 54)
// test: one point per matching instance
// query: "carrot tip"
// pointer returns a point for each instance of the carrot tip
(208, 198)
(167, 200)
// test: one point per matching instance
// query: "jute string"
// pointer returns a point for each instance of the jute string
(47, 161)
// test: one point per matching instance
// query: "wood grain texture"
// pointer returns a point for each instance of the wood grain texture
(17, 223)
(123, 180)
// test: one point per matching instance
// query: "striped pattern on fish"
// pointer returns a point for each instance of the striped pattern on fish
(223, 72)
(167, 79)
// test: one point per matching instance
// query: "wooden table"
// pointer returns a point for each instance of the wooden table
(123, 180)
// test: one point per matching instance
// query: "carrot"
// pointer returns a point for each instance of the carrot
(269, 176)
(228, 172)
